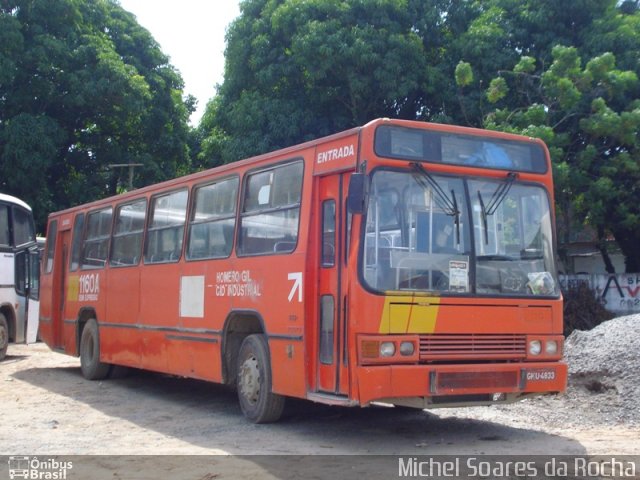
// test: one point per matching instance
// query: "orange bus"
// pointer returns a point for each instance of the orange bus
(400, 262)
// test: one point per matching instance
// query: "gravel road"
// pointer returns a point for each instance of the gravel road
(47, 408)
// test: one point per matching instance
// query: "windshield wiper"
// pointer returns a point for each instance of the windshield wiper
(456, 212)
(448, 205)
(495, 201)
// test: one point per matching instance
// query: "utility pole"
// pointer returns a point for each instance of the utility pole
(131, 167)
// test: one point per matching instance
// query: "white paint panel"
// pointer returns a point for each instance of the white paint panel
(32, 321)
(192, 296)
(7, 270)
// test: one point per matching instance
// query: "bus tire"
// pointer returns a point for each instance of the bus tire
(90, 364)
(257, 400)
(4, 336)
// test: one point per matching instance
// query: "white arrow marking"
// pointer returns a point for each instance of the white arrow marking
(297, 284)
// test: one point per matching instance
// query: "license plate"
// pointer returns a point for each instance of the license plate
(541, 375)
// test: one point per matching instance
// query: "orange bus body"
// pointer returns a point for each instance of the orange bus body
(345, 303)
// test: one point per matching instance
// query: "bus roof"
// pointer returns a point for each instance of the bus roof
(218, 169)
(256, 160)
(10, 199)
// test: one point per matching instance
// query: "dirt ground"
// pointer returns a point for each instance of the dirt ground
(48, 408)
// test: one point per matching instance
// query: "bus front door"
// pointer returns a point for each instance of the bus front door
(60, 285)
(332, 359)
(33, 299)
(27, 276)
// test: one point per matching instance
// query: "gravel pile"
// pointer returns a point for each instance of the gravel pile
(604, 365)
(603, 390)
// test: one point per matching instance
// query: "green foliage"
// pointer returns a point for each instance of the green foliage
(29, 145)
(82, 86)
(296, 70)
(583, 112)
(525, 65)
(565, 71)
(498, 89)
(463, 74)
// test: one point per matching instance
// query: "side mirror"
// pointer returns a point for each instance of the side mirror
(358, 191)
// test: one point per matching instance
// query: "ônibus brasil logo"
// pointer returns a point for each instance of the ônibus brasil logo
(35, 469)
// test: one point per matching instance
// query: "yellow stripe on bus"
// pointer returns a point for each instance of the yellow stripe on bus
(72, 288)
(402, 314)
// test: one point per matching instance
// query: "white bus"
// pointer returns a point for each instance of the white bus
(19, 274)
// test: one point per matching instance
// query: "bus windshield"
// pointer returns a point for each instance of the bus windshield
(458, 236)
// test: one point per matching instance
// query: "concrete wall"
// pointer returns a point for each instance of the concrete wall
(619, 294)
(594, 263)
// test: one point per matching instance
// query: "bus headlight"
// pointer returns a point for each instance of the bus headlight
(387, 349)
(407, 349)
(535, 347)
(551, 347)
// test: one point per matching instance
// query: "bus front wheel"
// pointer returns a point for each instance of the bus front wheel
(4, 336)
(90, 364)
(257, 400)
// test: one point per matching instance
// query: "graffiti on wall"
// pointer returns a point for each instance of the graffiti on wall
(617, 293)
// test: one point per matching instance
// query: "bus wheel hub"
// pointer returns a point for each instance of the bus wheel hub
(250, 380)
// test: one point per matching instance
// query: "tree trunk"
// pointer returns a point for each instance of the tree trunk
(629, 243)
(602, 246)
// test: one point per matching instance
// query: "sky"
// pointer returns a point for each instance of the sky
(191, 33)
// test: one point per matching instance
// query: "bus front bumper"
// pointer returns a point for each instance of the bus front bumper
(455, 385)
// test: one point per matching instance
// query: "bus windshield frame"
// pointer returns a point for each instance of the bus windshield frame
(489, 245)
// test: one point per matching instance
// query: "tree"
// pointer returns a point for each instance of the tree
(296, 70)
(83, 86)
(589, 115)
(518, 67)
(562, 70)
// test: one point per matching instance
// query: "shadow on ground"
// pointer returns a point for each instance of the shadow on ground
(207, 415)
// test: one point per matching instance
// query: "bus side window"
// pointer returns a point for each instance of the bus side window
(78, 226)
(51, 246)
(329, 233)
(166, 227)
(23, 229)
(5, 239)
(127, 233)
(269, 223)
(213, 220)
(21, 272)
(96, 243)
(34, 274)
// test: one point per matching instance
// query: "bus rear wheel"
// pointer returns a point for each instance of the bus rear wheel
(257, 400)
(4, 336)
(90, 364)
